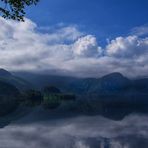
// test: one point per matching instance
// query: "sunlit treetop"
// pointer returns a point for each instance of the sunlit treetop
(15, 9)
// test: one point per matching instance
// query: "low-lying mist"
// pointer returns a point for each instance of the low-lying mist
(78, 132)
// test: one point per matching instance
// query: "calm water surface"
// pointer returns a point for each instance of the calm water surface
(76, 132)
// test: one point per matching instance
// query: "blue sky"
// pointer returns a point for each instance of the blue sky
(84, 38)
(103, 18)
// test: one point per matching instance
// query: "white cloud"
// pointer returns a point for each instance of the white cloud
(86, 46)
(127, 47)
(66, 50)
(140, 31)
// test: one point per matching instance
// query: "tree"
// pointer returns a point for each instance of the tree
(15, 9)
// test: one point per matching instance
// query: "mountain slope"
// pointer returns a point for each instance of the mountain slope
(40, 81)
(20, 83)
(109, 84)
(140, 84)
(8, 98)
(114, 82)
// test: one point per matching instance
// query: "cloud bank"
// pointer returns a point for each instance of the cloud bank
(68, 51)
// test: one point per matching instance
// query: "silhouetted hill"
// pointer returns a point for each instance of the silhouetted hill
(6, 88)
(4, 73)
(8, 97)
(20, 83)
(114, 82)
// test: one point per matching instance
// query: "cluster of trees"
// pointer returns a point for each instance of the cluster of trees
(50, 97)
(53, 97)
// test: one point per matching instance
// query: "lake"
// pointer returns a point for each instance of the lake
(40, 130)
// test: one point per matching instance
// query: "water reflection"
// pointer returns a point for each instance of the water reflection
(77, 132)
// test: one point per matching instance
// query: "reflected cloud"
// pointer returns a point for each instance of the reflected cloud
(78, 132)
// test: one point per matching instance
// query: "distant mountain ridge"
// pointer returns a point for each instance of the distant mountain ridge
(111, 83)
